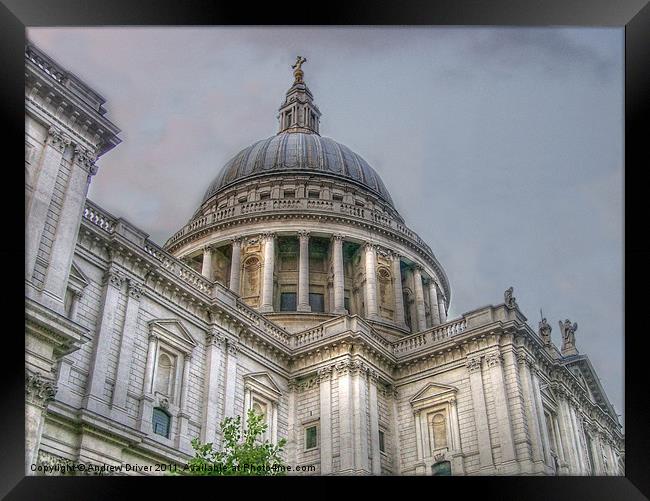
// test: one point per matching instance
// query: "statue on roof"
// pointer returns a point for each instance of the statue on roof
(509, 299)
(568, 336)
(545, 331)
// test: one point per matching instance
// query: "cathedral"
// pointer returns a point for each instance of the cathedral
(296, 290)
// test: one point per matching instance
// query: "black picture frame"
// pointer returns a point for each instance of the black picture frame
(634, 15)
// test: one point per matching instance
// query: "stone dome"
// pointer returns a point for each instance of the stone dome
(299, 152)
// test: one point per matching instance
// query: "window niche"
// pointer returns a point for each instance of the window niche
(262, 395)
(163, 411)
(436, 427)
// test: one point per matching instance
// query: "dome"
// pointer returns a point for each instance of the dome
(299, 152)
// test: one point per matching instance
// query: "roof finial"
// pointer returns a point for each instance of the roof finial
(297, 69)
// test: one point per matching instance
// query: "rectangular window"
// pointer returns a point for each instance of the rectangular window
(242, 199)
(382, 444)
(313, 194)
(265, 196)
(161, 421)
(317, 302)
(346, 303)
(289, 194)
(311, 437)
(288, 301)
(359, 203)
(337, 197)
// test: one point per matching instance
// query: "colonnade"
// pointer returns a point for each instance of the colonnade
(435, 300)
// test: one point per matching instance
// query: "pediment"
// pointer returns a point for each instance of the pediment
(589, 378)
(433, 393)
(77, 277)
(174, 333)
(263, 383)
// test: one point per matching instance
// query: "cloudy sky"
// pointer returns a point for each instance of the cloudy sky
(501, 147)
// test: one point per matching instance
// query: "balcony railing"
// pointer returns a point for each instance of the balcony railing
(298, 205)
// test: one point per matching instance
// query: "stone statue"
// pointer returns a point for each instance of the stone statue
(568, 336)
(545, 331)
(509, 299)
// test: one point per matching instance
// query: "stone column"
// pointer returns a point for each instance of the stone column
(395, 423)
(494, 363)
(568, 438)
(214, 342)
(231, 379)
(39, 391)
(67, 228)
(291, 425)
(582, 461)
(183, 440)
(267, 281)
(433, 303)
(94, 399)
(419, 299)
(206, 268)
(480, 412)
(147, 400)
(441, 308)
(303, 272)
(359, 419)
(235, 265)
(346, 439)
(339, 283)
(325, 386)
(532, 416)
(118, 411)
(541, 417)
(371, 281)
(374, 425)
(397, 290)
(39, 202)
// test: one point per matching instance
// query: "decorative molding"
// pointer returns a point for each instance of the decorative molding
(86, 159)
(493, 359)
(473, 364)
(114, 278)
(39, 390)
(57, 139)
(135, 289)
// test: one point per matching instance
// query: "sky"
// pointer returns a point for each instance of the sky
(501, 147)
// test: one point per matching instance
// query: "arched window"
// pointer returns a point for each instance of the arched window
(386, 294)
(165, 375)
(161, 422)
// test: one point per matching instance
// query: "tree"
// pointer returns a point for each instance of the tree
(243, 453)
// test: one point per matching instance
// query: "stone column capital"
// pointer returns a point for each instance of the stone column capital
(236, 241)
(57, 139)
(268, 236)
(39, 390)
(114, 278)
(214, 338)
(303, 234)
(338, 236)
(493, 359)
(207, 248)
(86, 159)
(473, 364)
(370, 246)
(135, 289)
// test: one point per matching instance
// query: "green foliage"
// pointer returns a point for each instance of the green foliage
(243, 453)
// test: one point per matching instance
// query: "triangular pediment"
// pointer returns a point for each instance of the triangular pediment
(588, 377)
(174, 333)
(264, 382)
(77, 277)
(433, 392)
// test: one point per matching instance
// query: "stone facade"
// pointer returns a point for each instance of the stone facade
(297, 292)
